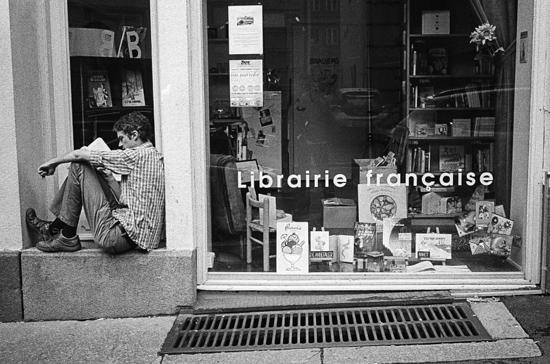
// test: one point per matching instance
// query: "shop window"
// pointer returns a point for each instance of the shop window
(110, 65)
(371, 133)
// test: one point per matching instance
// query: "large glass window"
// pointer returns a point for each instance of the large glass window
(110, 51)
(381, 138)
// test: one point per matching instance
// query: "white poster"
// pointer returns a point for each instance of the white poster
(292, 247)
(246, 83)
(245, 29)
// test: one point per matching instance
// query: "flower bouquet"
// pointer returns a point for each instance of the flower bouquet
(486, 41)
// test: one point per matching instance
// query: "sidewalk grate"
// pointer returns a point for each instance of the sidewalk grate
(275, 330)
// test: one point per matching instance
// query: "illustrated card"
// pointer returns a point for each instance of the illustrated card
(292, 247)
(500, 225)
(480, 245)
(501, 245)
(484, 210)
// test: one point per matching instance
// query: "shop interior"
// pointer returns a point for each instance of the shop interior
(395, 87)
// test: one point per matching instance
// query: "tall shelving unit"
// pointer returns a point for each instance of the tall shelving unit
(445, 83)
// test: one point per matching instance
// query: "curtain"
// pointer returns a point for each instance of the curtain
(503, 15)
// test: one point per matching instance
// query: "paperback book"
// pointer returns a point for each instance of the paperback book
(461, 128)
(132, 89)
(433, 246)
(397, 237)
(451, 158)
(365, 238)
(99, 89)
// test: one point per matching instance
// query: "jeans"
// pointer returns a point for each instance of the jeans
(85, 188)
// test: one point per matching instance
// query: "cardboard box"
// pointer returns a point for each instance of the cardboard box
(339, 213)
(436, 22)
(361, 167)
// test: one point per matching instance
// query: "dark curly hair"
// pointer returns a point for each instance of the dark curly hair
(134, 121)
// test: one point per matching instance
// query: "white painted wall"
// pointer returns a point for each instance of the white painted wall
(522, 124)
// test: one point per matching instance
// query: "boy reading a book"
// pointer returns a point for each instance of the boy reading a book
(121, 216)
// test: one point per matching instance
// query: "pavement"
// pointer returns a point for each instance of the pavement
(520, 326)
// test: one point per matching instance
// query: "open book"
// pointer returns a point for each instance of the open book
(100, 145)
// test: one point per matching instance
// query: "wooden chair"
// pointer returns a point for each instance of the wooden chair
(254, 225)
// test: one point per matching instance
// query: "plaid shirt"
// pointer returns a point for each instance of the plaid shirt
(142, 191)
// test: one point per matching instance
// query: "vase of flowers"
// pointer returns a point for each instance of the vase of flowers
(487, 49)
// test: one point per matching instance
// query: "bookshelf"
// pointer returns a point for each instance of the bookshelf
(449, 93)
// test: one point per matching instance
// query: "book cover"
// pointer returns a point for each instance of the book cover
(500, 225)
(424, 130)
(438, 61)
(426, 96)
(450, 205)
(99, 89)
(292, 247)
(433, 246)
(131, 42)
(451, 158)
(320, 245)
(461, 128)
(440, 129)
(379, 202)
(484, 210)
(397, 237)
(342, 246)
(132, 89)
(365, 238)
(501, 245)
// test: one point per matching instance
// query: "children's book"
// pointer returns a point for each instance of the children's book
(438, 61)
(440, 129)
(484, 211)
(99, 89)
(132, 89)
(451, 158)
(433, 246)
(365, 238)
(342, 246)
(397, 237)
(379, 202)
(500, 225)
(292, 247)
(461, 127)
(319, 248)
(501, 245)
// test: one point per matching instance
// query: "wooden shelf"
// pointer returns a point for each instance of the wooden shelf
(451, 138)
(450, 76)
(451, 108)
(465, 36)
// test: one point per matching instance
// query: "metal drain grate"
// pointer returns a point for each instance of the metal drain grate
(272, 330)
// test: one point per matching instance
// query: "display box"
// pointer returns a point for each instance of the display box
(436, 22)
(360, 168)
(339, 213)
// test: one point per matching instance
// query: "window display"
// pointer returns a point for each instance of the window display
(376, 148)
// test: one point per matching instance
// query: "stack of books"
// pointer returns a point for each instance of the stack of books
(484, 126)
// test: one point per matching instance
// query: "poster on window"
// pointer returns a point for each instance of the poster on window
(246, 83)
(245, 24)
